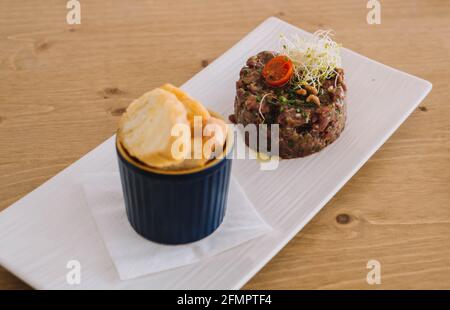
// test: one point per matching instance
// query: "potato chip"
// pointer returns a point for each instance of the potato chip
(194, 108)
(145, 128)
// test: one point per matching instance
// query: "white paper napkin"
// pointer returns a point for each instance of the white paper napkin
(135, 256)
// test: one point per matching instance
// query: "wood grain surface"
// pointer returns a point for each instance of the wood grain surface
(62, 89)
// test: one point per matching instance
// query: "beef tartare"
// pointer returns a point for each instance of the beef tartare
(283, 88)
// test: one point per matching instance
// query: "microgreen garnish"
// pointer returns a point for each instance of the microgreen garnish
(314, 60)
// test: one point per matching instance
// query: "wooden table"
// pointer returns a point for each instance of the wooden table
(64, 87)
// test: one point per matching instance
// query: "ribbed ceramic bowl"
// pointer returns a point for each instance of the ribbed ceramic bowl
(175, 207)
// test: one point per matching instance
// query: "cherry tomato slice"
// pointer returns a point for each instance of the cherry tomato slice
(278, 70)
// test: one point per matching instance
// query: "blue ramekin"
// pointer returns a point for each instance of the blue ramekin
(174, 207)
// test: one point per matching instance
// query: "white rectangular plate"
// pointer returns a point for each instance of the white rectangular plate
(40, 233)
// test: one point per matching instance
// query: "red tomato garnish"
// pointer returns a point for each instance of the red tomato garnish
(278, 71)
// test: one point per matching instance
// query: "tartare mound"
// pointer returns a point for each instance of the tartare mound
(309, 117)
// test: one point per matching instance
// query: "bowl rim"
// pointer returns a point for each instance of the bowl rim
(136, 163)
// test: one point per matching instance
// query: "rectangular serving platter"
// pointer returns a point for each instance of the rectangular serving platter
(52, 225)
